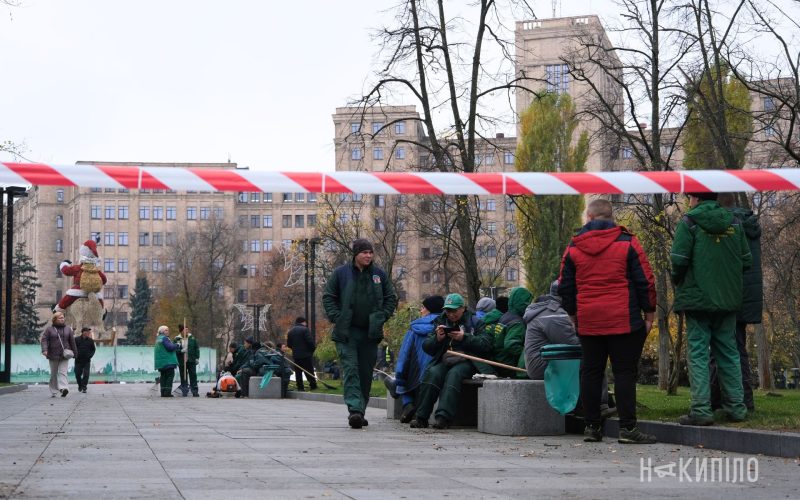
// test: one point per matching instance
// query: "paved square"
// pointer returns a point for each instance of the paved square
(122, 441)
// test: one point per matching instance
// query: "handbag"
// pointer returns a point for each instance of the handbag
(68, 354)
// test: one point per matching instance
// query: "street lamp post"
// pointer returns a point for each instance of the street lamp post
(9, 193)
(256, 320)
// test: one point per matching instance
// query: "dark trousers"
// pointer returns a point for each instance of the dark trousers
(444, 383)
(167, 376)
(308, 365)
(82, 373)
(357, 357)
(747, 374)
(624, 352)
(244, 381)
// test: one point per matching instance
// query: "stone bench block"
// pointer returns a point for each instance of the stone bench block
(271, 391)
(517, 408)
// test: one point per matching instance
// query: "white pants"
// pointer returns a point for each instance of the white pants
(58, 374)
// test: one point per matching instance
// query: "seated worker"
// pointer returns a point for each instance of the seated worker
(454, 329)
(332, 368)
(283, 369)
(256, 356)
(509, 339)
(413, 360)
(235, 357)
(484, 306)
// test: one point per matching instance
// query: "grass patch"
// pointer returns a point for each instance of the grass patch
(5, 384)
(777, 413)
(378, 389)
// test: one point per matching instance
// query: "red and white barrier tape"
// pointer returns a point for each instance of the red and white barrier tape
(205, 179)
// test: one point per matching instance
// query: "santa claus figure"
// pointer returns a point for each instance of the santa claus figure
(86, 277)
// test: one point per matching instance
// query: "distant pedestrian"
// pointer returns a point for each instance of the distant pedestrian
(83, 357)
(709, 256)
(190, 351)
(300, 340)
(165, 360)
(56, 340)
(359, 297)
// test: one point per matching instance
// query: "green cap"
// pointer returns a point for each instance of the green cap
(453, 301)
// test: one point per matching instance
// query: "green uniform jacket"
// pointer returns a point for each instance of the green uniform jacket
(239, 358)
(476, 341)
(194, 350)
(338, 300)
(753, 294)
(709, 255)
(162, 358)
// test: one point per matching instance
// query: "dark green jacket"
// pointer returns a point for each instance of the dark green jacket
(239, 358)
(163, 357)
(753, 293)
(509, 342)
(490, 325)
(338, 300)
(709, 256)
(194, 350)
(476, 341)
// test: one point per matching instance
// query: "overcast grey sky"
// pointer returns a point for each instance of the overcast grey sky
(189, 80)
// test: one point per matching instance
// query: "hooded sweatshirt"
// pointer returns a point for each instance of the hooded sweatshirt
(606, 280)
(546, 323)
(509, 342)
(709, 255)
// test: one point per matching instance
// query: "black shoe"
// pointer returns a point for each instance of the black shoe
(356, 421)
(105, 313)
(408, 413)
(441, 423)
(418, 423)
(195, 394)
(698, 421)
(592, 434)
(64, 392)
(364, 422)
(635, 436)
(391, 386)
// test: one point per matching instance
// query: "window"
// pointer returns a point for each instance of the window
(491, 228)
(108, 266)
(355, 128)
(255, 197)
(241, 197)
(402, 249)
(108, 292)
(97, 190)
(144, 191)
(255, 221)
(286, 244)
(144, 212)
(170, 239)
(557, 77)
(769, 131)
(122, 266)
(400, 128)
(377, 153)
(627, 152)
(488, 159)
(158, 239)
(267, 198)
(508, 158)
(59, 246)
(156, 266)
(380, 200)
(299, 221)
(769, 104)
(122, 239)
(158, 213)
(312, 197)
(355, 154)
(205, 213)
(109, 239)
(510, 205)
(358, 196)
(400, 153)
(399, 272)
(158, 191)
(267, 221)
(286, 221)
(376, 127)
(478, 159)
(426, 277)
(241, 295)
(219, 213)
(191, 213)
(287, 197)
(172, 213)
(267, 245)
(491, 205)
(343, 218)
(426, 253)
(511, 274)
(59, 222)
(144, 239)
(123, 212)
(122, 291)
(110, 190)
(96, 212)
(242, 221)
(110, 212)
(435, 277)
(311, 220)
(511, 228)
(255, 246)
(379, 225)
(144, 265)
(491, 251)
(96, 235)
(59, 196)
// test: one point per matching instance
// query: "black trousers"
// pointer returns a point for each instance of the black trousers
(82, 373)
(308, 365)
(747, 374)
(624, 352)
(244, 381)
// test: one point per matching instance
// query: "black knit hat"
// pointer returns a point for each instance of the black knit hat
(434, 303)
(299, 320)
(704, 196)
(501, 303)
(362, 245)
(250, 340)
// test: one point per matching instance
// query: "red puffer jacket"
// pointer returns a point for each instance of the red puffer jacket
(606, 280)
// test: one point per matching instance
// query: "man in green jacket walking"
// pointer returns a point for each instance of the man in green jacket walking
(359, 297)
(709, 256)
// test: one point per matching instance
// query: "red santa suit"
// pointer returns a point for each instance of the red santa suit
(88, 254)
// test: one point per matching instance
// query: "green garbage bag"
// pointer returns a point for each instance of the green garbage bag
(265, 379)
(562, 382)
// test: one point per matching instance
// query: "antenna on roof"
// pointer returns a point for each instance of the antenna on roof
(555, 3)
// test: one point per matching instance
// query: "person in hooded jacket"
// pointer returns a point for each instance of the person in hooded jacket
(709, 256)
(412, 359)
(546, 323)
(752, 301)
(484, 306)
(607, 286)
(509, 337)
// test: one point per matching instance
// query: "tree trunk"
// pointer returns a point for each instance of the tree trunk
(764, 351)
(464, 226)
(664, 339)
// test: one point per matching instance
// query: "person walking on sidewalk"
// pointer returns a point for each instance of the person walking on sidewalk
(56, 340)
(359, 297)
(301, 342)
(83, 357)
(709, 255)
(606, 284)
(165, 360)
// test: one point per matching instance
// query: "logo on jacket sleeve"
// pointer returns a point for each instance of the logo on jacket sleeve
(376, 279)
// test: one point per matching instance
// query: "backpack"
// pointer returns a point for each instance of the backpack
(90, 278)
